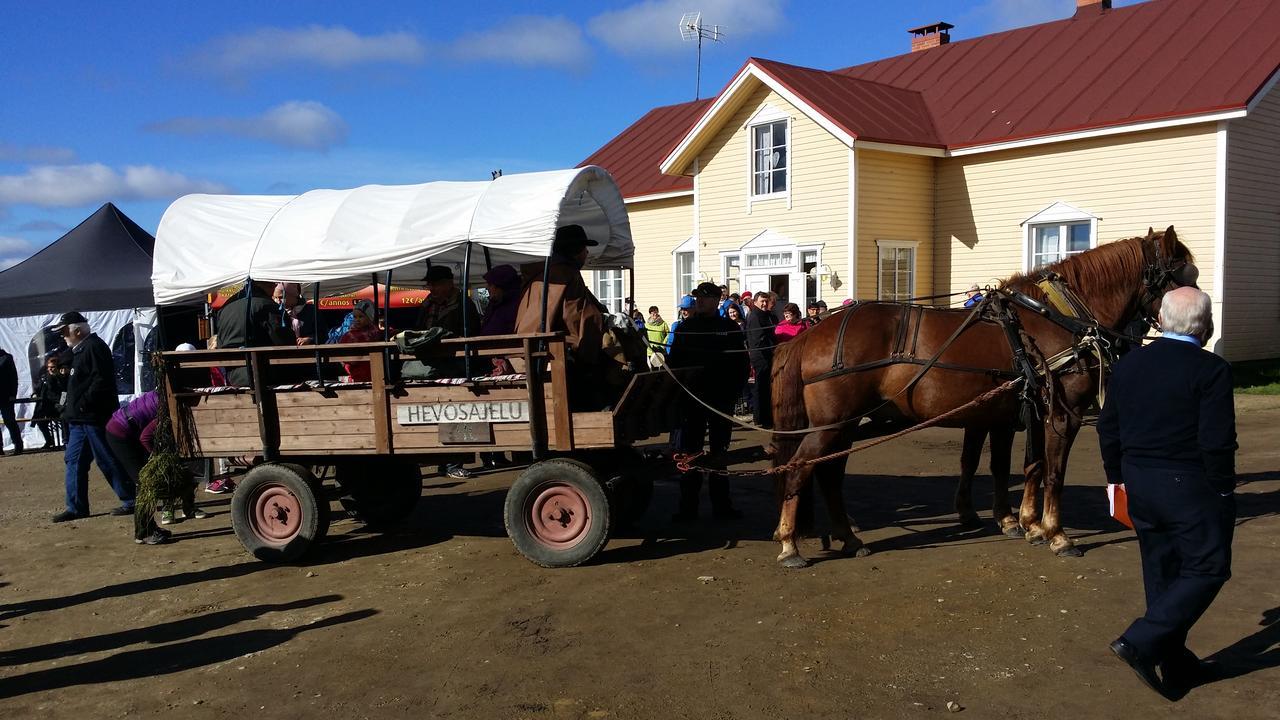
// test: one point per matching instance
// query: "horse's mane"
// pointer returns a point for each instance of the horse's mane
(1102, 275)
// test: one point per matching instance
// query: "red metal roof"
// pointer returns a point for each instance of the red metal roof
(1161, 59)
(1155, 60)
(634, 155)
(866, 110)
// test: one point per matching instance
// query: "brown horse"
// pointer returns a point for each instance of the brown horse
(871, 363)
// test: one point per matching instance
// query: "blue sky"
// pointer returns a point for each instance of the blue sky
(140, 102)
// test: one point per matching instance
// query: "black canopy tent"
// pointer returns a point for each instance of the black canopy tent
(104, 263)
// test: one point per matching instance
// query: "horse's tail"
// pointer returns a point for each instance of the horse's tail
(789, 412)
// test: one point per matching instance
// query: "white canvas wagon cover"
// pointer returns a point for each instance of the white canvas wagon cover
(339, 237)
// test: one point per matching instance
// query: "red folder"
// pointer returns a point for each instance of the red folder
(1119, 502)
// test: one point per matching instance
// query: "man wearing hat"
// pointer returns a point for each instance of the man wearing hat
(571, 308)
(445, 306)
(714, 345)
(91, 400)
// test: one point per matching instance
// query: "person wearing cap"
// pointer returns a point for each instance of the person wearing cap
(444, 306)
(364, 328)
(684, 309)
(250, 320)
(8, 395)
(973, 296)
(571, 308)
(713, 345)
(91, 400)
(761, 342)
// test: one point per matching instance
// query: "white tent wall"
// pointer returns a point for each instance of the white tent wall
(16, 334)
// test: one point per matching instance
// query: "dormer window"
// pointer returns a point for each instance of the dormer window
(769, 165)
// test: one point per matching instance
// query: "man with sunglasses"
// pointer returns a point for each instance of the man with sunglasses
(90, 401)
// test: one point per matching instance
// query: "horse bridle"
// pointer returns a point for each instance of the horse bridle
(1156, 276)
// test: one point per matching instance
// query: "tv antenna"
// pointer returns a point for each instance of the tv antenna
(691, 28)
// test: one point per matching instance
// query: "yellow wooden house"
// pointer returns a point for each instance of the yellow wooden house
(962, 162)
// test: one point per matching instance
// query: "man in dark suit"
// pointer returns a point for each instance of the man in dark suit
(1167, 431)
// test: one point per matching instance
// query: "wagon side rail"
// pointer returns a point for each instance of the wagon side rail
(541, 355)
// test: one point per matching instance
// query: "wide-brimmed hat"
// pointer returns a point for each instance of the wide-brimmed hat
(570, 239)
(439, 272)
(68, 318)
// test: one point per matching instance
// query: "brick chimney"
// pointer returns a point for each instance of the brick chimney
(1086, 8)
(933, 35)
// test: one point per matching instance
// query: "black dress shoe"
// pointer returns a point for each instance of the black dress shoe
(122, 511)
(67, 515)
(1145, 669)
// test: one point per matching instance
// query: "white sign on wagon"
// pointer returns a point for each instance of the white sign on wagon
(493, 411)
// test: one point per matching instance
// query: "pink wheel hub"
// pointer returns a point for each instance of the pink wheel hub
(559, 516)
(277, 515)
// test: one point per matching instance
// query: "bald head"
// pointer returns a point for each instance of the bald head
(1187, 311)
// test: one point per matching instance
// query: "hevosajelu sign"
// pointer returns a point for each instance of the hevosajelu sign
(492, 411)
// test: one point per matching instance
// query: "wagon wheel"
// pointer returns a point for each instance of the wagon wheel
(276, 513)
(379, 491)
(557, 513)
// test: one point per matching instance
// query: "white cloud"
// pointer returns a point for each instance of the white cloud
(529, 40)
(35, 154)
(42, 226)
(650, 27)
(14, 250)
(329, 47)
(92, 183)
(298, 124)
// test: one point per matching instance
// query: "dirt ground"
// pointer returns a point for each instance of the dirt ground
(444, 619)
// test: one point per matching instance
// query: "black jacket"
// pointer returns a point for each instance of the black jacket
(262, 329)
(8, 377)
(91, 391)
(1169, 406)
(49, 396)
(714, 344)
(760, 338)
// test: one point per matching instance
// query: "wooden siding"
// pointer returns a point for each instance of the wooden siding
(895, 202)
(1131, 182)
(1251, 305)
(819, 203)
(658, 227)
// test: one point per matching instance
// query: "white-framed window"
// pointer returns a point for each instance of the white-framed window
(609, 289)
(1057, 232)
(770, 158)
(896, 269)
(1051, 242)
(686, 273)
(731, 266)
(770, 259)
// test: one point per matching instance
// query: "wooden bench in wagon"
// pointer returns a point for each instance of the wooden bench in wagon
(374, 436)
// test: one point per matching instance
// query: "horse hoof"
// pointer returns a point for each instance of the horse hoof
(793, 562)
(1036, 539)
(1069, 551)
(826, 542)
(862, 552)
(970, 522)
(1014, 531)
